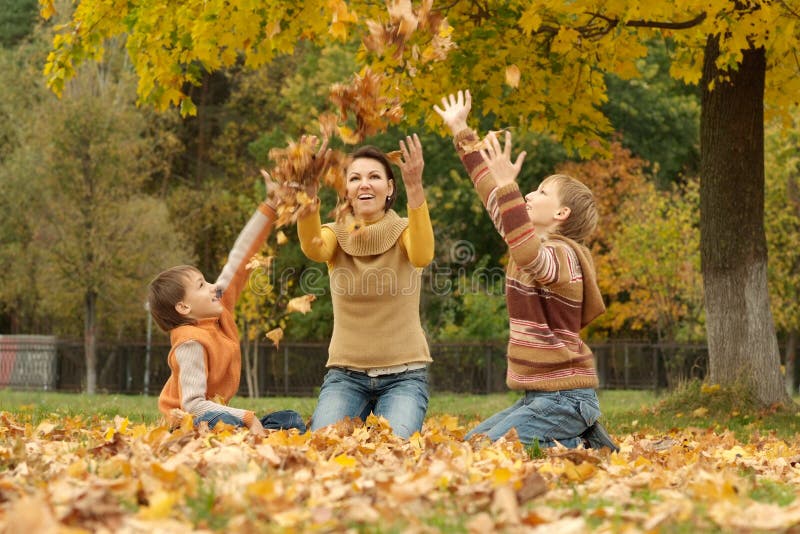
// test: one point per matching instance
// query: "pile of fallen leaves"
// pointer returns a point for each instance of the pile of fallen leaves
(71, 475)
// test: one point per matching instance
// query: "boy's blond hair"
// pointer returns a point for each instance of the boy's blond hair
(165, 291)
(582, 220)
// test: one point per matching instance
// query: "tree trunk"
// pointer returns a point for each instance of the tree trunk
(254, 369)
(90, 342)
(246, 357)
(742, 344)
(791, 359)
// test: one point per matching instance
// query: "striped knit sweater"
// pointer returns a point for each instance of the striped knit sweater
(551, 290)
(206, 359)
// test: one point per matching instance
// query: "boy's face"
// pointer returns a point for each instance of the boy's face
(201, 300)
(544, 205)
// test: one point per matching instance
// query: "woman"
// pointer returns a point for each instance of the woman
(378, 355)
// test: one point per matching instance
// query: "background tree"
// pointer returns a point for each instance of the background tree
(646, 249)
(81, 240)
(782, 206)
(18, 258)
(17, 20)
(653, 269)
(657, 117)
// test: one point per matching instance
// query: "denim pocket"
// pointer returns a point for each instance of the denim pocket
(417, 374)
(590, 412)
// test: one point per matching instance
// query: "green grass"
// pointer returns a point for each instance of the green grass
(142, 409)
(624, 411)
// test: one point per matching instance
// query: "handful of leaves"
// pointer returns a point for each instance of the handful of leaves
(297, 173)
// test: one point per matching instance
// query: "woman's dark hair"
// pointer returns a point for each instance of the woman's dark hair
(373, 152)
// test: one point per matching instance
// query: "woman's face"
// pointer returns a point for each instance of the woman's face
(367, 188)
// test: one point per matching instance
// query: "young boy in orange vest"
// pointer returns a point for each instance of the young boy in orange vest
(205, 360)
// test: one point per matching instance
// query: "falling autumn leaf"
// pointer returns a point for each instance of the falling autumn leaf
(275, 335)
(300, 304)
(259, 261)
(362, 99)
(512, 76)
(395, 157)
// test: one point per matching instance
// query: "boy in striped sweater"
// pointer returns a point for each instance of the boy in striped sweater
(551, 291)
(205, 359)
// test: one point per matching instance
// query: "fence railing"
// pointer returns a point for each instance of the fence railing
(297, 369)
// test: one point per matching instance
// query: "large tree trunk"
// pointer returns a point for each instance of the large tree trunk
(742, 344)
(90, 342)
(791, 359)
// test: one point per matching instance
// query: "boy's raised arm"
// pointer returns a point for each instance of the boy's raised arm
(454, 112)
(233, 277)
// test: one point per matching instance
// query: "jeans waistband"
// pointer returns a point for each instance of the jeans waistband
(391, 370)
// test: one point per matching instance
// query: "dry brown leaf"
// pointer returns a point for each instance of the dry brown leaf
(395, 157)
(275, 335)
(362, 99)
(505, 506)
(86, 474)
(532, 486)
(300, 304)
(259, 261)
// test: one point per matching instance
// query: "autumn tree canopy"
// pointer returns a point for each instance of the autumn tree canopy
(425, 48)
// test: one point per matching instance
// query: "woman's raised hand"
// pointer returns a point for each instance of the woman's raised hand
(321, 160)
(455, 110)
(498, 159)
(411, 166)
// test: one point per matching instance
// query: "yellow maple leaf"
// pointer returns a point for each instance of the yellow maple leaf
(264, 489)
(345, 460)
(160, 505)
(500, 476)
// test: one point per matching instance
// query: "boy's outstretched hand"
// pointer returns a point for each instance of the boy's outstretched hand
(411, 166)
(272, 188)
(498, 160)
(256, 428)
(455, 110)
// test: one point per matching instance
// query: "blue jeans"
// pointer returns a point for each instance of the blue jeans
(545, 416)
(280, 420)
(402, 398)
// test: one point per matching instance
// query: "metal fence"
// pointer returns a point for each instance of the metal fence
(298, 368)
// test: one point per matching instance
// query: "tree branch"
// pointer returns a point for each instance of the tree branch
(668, 25)
(788, 8)
(612, 23)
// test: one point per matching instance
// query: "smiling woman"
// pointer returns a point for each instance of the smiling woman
(378, 355)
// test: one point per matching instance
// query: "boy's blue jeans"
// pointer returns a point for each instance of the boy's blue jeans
(280, 420)
(545, 416)
(402, 398)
